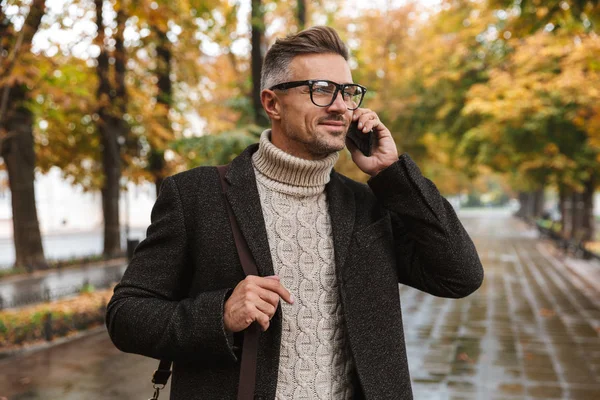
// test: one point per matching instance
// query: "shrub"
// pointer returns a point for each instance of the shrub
(54, 319)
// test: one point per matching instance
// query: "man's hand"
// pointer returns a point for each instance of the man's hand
(383, 154)
(254, 299)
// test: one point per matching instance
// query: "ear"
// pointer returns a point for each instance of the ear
(271, 104)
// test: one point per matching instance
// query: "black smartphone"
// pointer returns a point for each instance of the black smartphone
(364, 141)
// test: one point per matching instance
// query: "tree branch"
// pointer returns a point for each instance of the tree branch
(30, 28)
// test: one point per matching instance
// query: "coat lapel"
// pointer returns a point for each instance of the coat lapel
(342, 212)
(244, 199)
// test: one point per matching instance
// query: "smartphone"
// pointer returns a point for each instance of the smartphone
(364, 141)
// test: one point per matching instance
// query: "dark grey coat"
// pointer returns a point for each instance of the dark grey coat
(169, 304)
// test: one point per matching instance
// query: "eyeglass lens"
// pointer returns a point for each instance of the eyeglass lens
(323, 92)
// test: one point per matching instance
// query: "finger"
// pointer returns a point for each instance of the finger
(269, 296)
(358, 112)
(262, 287)
(277, 287)
(370, 125)
(265, 307)
(263, 320)
(366, 119)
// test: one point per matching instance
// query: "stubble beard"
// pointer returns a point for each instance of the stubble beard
(317, 145)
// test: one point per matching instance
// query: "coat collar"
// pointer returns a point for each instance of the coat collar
(244, 199)
(243, 196)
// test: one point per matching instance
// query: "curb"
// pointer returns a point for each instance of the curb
(37, 346)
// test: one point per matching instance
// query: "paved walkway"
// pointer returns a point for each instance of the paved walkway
(531, 332)
(21, 290)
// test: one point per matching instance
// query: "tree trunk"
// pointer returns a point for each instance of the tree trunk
(258, 29)
(111, 163)
(301, 14)
(111, 126)
(576, 215)
(19, 157)
(563, 207)
(587, 212)
(164, 102)
(524, 198)
(538, 203)
(16, 140)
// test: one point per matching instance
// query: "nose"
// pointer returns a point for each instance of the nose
(338, 105)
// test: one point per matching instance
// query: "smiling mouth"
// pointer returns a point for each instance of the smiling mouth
(335, 130)
(333, 124)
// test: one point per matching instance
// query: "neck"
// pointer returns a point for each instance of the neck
(287, 169)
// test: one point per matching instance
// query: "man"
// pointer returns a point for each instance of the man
(332, 249)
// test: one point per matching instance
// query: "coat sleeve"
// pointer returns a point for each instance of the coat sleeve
(150, 312)
(434, 252)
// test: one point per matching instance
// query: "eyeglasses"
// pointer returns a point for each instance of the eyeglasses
(323, 92)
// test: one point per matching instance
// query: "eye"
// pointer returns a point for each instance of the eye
(352, 91)
(322, 87)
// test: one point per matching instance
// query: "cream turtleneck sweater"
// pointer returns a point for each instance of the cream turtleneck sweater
(315, 362)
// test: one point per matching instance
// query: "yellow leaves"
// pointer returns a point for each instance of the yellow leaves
(547, 313)
(445, 110)
(27, 324)
(156, 129)
(551, 149)
(541, 12)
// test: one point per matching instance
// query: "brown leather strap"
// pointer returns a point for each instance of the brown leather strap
(250, 348)
(251, 334)
(162, 374)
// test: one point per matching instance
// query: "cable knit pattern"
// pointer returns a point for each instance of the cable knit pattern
(315, 362)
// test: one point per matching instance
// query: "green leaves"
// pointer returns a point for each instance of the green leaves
(215, 149)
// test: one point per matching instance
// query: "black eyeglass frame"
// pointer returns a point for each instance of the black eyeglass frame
(338, 87)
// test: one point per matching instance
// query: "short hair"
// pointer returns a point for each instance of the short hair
(314, 40)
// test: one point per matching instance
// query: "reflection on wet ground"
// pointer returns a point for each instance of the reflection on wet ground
(90, 368)
(530, 332)
(20, 291)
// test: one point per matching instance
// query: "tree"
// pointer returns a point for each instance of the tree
(214, 149)
(301, 14)
(537, 117)
(112, 127)
(164, 102)
(16, 133)
(257, 21)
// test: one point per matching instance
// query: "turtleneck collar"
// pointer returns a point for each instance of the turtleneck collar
(290, 174)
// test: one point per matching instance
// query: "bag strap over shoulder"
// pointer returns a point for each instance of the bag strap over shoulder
(247, 381)
(251, 334)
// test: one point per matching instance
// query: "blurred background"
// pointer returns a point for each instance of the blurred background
(498, 101)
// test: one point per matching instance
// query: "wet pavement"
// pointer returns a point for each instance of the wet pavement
(531, 332)
(89, 368)
(17, 291)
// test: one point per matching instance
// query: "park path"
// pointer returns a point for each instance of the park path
(530, 332)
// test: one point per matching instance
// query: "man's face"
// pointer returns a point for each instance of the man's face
(309, 131)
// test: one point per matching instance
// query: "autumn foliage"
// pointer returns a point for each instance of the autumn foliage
(470, 89)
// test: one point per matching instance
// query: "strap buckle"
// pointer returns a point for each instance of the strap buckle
(156, 392)
(160, 377)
